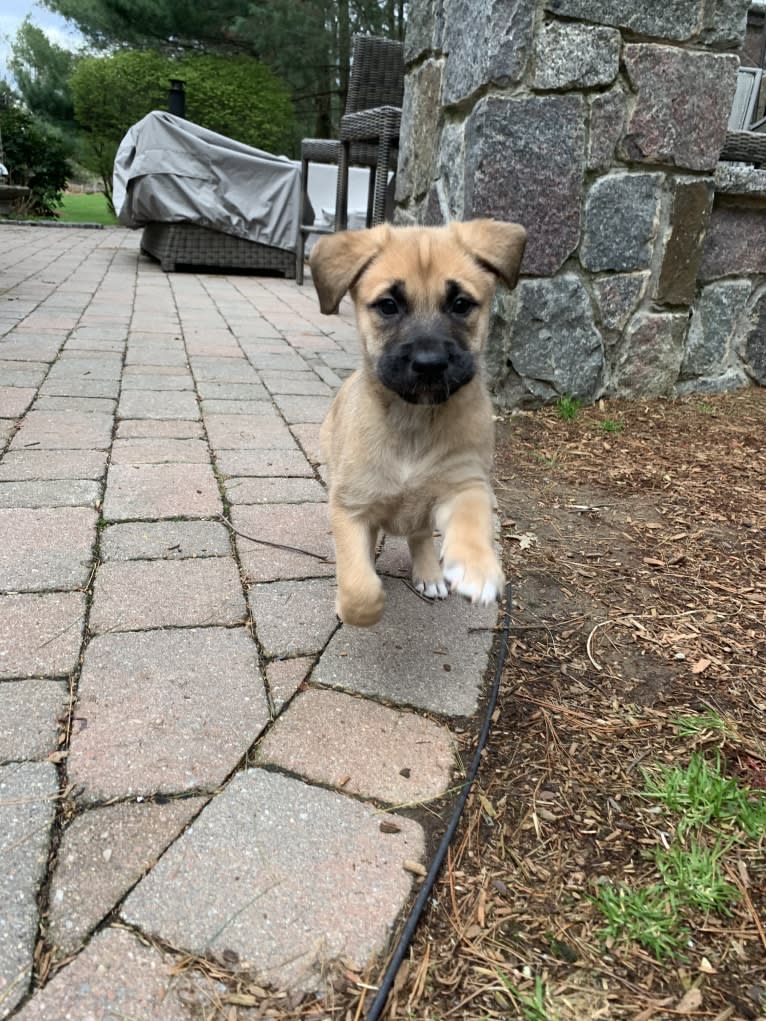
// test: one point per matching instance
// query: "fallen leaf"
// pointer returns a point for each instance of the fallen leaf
(689, 1002)
(700, 666)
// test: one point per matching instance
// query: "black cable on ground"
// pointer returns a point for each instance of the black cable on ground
(441, 852)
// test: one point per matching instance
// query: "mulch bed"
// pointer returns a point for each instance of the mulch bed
(635, 538)
(640, 596)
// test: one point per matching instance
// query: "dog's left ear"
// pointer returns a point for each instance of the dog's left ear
(338, 260)
(498, 246)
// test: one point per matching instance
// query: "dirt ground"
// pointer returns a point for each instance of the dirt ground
(634, 536)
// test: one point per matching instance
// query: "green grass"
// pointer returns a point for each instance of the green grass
(86, 209)
(701, 794)
(568, 408)
(692, 875)
(532, 1005)
(647, 916)
(611, 425)
(702, 724)
(710, 813)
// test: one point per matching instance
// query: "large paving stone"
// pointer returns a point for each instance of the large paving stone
(285, 676)
(140, 594)
(231, 391)
(14, 400)
(277, 490)
(302, 526)
(163, 404)
(64, 430)
(159, 451)
(285, 875)
(165, 711)
(30, 711)
(27, 374)
(40, 635)
(429, 655)
(42, 465)
(263, 464)
(102, 854)
(296, 383)
(524, 162)
(46, 549)
(161, 491)
(683, 101)
(361, 747)
(117, 977)
(293, 617)
(164, 540)
(27, 793)
(50, 493)
(80, 388)
(91, 366)
(87, 404)
(302, 409)
(248, 432)
(154, 428)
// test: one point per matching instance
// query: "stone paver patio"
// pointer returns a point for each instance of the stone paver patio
(195, 757)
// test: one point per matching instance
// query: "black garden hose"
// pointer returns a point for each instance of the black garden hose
(441, 852)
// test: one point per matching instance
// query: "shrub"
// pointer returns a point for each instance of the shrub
(36, 156)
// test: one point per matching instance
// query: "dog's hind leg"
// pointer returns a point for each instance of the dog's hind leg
(427, 574)
(468, 558)
(360, 598)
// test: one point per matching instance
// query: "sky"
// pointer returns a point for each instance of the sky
(13, 12)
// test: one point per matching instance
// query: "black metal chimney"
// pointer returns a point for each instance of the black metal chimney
(177, 97)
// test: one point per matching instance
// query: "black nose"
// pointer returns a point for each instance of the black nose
(429, 363)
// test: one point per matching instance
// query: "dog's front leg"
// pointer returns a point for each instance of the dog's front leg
(468, 558)
(427, 574)
(360, 596)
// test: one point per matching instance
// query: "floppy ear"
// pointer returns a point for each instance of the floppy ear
(497, 245)
(338, 260)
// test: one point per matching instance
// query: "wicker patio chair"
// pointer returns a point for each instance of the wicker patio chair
(369, 133)
(188, 244)
(745, 140)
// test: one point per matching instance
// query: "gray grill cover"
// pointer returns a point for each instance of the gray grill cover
(170, 170)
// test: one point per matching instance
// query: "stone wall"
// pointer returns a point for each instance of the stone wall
(598, 125)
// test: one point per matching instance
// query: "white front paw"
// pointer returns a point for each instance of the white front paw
(432, 589)
(483, 587)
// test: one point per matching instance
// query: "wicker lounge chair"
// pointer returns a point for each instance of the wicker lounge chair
(369, 133)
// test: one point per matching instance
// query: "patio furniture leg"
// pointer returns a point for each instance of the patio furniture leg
(341, 194)
(300, 244)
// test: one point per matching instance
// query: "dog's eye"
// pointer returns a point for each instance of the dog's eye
(461, 306)
(387, 307)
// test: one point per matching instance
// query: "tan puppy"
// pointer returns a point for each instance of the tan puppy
(409, 437)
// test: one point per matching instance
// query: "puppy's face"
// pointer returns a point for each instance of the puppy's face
(422, 298)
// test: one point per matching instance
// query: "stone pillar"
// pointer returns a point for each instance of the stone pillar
(597, 124)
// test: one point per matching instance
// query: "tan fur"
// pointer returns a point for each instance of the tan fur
(409, 468)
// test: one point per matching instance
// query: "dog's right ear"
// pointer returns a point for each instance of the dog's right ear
(338, 260)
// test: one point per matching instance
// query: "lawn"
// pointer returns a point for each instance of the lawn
(86, 209)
